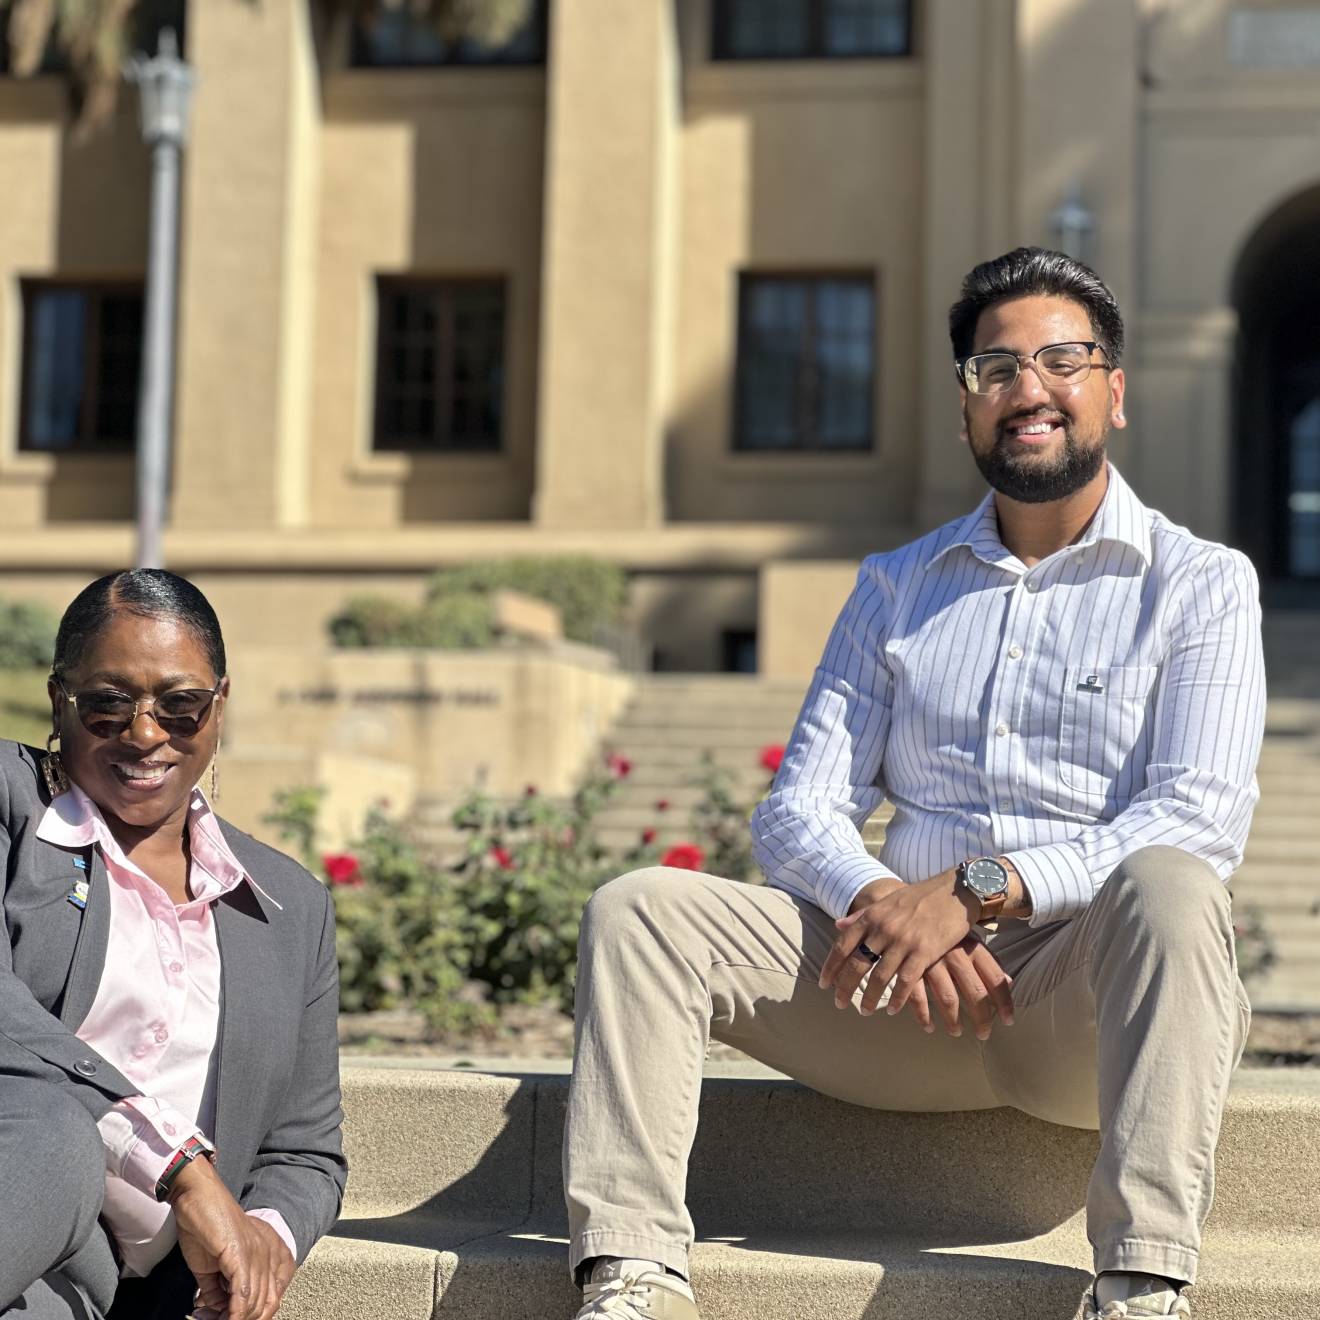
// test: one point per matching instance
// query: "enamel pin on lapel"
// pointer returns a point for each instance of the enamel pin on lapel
(78, 894)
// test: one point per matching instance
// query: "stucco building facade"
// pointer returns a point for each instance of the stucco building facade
(652, 294)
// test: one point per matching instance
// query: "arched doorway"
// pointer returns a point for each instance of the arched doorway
(1276, 289)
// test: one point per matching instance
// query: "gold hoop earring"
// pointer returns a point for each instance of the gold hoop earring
(52, 768)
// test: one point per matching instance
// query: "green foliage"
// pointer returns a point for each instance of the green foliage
(459, 610)
(496, 925)
(589, 593)
(720, 824)
(27, 635)
(294, 815)
(24, 707)
(463, 620)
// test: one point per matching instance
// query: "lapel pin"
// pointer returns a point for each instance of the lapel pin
(1092, 684)
(78, 895)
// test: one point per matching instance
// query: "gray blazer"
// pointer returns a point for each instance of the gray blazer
(277, 1115)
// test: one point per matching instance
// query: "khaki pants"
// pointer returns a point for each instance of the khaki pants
(1129, 1019)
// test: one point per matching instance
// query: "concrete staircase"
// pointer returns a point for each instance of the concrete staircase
(806, 1208)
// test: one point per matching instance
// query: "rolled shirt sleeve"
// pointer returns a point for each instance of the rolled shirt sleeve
(806, 835)
(1200, 785)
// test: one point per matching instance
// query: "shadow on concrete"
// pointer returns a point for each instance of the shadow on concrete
(880, 1200)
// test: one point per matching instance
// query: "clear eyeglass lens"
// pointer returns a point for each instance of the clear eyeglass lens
(1059, 364)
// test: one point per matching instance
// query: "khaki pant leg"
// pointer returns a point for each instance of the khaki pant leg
(669, 958)
(1130, 1019)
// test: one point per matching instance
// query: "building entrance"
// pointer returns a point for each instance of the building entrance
(1277, 386)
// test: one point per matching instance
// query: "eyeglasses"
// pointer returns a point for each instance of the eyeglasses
(106, 713)
(1057, 366)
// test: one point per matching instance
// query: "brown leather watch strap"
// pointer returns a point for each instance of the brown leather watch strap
(991, 907)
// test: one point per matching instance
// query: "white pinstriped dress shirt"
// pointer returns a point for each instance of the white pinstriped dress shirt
(1065, 715)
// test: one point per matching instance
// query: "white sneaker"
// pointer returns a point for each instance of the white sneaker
(1138, 1307)
(635, 1290)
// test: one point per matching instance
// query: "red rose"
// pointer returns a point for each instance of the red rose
(662, 804)
(502, 857)
(648, 835)
(342, 869)
(684, 856)
(619, 766)
(772, 757)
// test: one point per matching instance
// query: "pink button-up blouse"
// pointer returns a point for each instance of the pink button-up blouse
(156, 1017)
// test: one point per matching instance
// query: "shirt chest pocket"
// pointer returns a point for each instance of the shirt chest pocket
(1103, 734)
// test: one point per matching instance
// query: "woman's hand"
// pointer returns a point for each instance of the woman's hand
(241, 1265)
(911, 927)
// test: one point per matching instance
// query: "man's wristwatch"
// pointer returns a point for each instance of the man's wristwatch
(193, 1148)
(986, 880)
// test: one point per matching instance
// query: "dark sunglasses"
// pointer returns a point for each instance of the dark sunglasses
(105, 713)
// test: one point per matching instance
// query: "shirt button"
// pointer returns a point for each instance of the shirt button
(1033, 585)
(169, 1129)
(141, 1051)
(176, 967)
(1015, 653)
(1001, 729)
(161, 1035)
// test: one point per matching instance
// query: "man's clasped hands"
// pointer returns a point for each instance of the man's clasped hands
(929, 948)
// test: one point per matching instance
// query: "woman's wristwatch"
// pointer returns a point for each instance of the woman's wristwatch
(193, 1148)
(986, 880)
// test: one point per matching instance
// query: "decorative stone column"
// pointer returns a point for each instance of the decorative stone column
(607, 286)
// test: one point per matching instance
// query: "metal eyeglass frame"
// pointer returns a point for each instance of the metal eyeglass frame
(960, 367)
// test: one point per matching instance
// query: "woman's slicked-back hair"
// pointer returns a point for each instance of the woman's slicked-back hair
(1033, 271)
(152, 593)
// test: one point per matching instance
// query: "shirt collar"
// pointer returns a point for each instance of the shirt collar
(1121, 517)
(73, 820)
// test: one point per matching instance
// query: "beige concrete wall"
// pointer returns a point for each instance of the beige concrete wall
(608, 233)
(795, 167)
(75, 209)
(246, 299)
(434, 172)
(440, 722)
(798, 603)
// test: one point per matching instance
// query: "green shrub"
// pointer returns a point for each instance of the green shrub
(27, 635)
(370, 621)
(589, 593)
(464, 620)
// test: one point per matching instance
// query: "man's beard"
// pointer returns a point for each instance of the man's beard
(1024, 477)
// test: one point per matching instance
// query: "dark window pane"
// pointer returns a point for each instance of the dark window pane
(865, 27)
(152, 17)
(806, 363)
(440, 381)
(810, 29)
(766, 29)
(396, 38)
(83, 358)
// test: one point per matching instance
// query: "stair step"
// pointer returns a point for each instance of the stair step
(476, 1227)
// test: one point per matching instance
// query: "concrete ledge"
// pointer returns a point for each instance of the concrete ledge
(455, 1206)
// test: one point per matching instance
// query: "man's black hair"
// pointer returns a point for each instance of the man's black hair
(1031, 271)
(152, 593)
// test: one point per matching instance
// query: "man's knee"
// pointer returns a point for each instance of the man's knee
(1169, 893)
(641, 900)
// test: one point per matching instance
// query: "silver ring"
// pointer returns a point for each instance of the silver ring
(865, 951)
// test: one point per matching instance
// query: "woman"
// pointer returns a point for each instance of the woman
(169, 1083)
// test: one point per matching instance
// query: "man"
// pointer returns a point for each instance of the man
(1062, 695)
